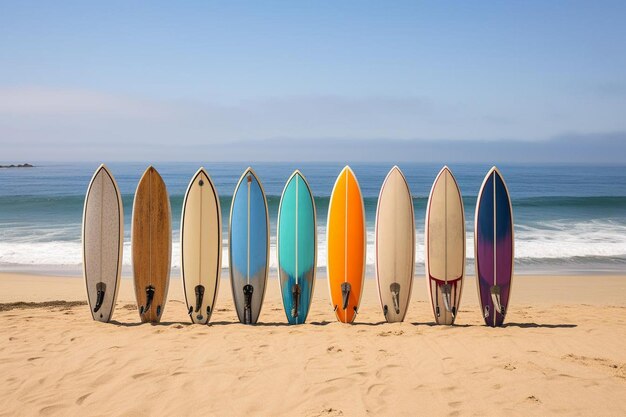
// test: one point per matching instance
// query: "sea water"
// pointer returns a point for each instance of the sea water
(568, 218)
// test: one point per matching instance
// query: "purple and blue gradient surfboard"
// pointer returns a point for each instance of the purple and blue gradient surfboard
(493, 245)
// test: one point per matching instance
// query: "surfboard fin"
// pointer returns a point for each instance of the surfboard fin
(247, 303)
(495, 298)
(199, 296)
(395, 296)
(345, 293)
(295, 292)
(101, 287)
(149, 298)
(446, 291)
(385, 310)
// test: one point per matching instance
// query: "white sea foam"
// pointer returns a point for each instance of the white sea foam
(540, 241)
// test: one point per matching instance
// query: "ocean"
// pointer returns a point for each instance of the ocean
(569, 219)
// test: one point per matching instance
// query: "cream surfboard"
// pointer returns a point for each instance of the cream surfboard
(395, 245)
(445, 247)
(201, 246)
(151, 240)
(103, 240)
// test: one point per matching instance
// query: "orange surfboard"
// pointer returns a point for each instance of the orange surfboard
(346, 243)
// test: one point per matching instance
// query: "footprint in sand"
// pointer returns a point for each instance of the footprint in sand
(385, 371)
(328, 412)
(391, 333)
(375, 397)
(82, 398)
(52, 410)
(618, 369)
(455, 404)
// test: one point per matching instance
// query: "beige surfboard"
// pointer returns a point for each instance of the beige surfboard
(103, 240)
(445, 247)
(395, 245)
(201, 246)
(151, 239)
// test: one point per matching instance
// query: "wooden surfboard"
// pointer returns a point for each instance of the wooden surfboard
(103, 241)
(201, 247)
(445, 247)
(297, 247)
(346, 244)
(493, 246)
(395, 245)
(249, 247)
(151, 240)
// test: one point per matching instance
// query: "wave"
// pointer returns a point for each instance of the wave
(541, 243)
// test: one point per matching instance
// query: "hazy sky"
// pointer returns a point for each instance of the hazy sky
(474, 81)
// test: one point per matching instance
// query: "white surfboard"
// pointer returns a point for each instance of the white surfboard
(395, 245)
(201, 246)
(103, 240)
(445, 247)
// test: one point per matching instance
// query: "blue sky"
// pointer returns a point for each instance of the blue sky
(82, 79)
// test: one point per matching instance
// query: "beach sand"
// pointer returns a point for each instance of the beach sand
(562, 352)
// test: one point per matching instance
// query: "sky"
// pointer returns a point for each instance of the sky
(325, 80)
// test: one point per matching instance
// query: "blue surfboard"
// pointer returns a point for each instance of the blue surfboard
(494, 245)
(248, 247)
(297, 248)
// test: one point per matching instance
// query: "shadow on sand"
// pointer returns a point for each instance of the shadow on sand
(520, 325)
(325, 323)
(540, 326)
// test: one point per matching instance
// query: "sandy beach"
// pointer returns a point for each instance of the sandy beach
(561, 353)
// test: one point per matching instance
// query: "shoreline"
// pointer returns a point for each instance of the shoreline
(528, 290)
(321, 271)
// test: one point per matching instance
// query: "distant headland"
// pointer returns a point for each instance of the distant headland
(17, 166)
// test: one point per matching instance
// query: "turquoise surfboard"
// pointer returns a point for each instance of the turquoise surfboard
(248, 247)
(297, 248)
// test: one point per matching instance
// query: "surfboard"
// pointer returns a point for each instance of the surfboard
(297, 247)
(201, 247)
(493, 248)
(445, 247)
(103, 241)
(249, 247)
(395, 245)
(346, 245)
(151, 240)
